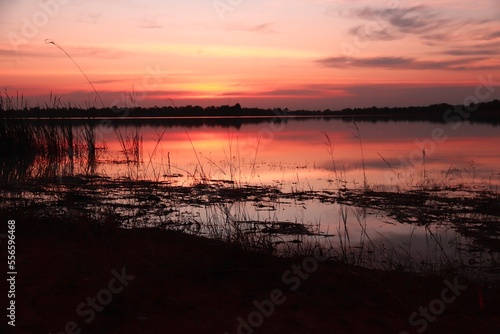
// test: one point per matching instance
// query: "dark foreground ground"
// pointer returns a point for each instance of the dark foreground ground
(87, 278)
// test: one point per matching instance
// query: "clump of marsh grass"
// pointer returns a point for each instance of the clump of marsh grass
(155, 171)
(46, 149)
(54, 102)
(9, 102)
(26, 139)
(131, 147)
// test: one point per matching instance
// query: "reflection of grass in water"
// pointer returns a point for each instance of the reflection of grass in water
(228, 171)
(131, 147)
(365, 252)
(37, 150)
(159, 162)
(472, 214)
(451, 178)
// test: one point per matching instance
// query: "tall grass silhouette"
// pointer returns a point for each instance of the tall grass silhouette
(49, 41)
(357, 135)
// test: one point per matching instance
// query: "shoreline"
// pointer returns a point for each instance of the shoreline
(184, 283)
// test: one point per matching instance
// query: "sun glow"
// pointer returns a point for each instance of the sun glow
(265, 54)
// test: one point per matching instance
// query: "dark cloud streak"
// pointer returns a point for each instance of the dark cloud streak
(77, 51)
(403, 63)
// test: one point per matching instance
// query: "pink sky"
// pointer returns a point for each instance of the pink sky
(311, 54)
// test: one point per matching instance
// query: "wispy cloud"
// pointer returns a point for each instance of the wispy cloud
(304, 91)
(472, 52)
(259, 28)
(149, 22)
(291, 92)
(45, 50)
(88, 17)
(381, 34)
(404, 63)
(490, 49)
(414, 20)
(429, 24)
(495, 34)
(265, 27)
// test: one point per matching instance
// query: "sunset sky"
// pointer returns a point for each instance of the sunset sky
(311, 54)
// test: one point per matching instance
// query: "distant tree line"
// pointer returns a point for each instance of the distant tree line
(482, 112)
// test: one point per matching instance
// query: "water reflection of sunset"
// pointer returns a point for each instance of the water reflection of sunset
(299, 153)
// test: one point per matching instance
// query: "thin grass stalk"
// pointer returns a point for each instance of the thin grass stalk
(48, 41)
(202, 171)
(358, 136)
(392, 170)
(423, 169)
(252, 174)
(331, 148)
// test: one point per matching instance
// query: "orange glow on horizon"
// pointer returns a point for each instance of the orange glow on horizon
(306, 56)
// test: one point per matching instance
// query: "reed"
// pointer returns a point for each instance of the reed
(398, 176)
(203, 175)
(151, 156)
(10, 102)
(357, 135)
(54, 102)
(424, 173)
(252, 174)
(49, 41)
(330, 148)
(46, 149)
(130, 145)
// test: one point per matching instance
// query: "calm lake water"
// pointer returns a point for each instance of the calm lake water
(304, 155)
